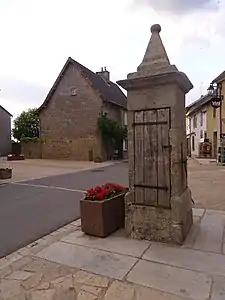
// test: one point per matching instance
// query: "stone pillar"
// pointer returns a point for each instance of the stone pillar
(158, 206)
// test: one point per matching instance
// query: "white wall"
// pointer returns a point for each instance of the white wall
(196, 132)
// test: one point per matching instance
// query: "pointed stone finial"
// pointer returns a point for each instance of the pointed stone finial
(156, 28)
(155, 60)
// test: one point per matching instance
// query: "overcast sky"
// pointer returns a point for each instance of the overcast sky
(37, 36)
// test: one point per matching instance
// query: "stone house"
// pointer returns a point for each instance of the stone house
(203, 120)
(196, 121)
(70, 112)
(5, 132)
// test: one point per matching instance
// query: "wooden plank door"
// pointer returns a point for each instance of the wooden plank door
(152, 157)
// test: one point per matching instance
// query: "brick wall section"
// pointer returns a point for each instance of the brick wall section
(31, 150)
(69, 123)
(5, 133)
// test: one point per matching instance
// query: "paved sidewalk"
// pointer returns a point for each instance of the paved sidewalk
(29, 169)
(70, 265)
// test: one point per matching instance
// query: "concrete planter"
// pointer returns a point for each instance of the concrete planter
(101, 218)
(5, 173)
(12, 157)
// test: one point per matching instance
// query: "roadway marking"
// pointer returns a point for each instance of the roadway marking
(49, 187)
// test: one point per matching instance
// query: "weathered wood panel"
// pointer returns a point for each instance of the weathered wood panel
(139, 156)
(152, 157)
(163, 170)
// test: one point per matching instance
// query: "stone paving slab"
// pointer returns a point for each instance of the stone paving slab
(210, 263)
(198, 212)
(92, 260)
(185, 283)
(116, 244)
(218, 292)
(94, 271)
(210, 237)
(125, 291)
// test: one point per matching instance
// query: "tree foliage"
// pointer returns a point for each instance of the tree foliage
(111, 130)
(26, 125)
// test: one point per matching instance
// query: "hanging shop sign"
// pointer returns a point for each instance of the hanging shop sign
(216, 102)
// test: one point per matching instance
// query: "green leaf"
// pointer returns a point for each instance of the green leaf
(26, 125)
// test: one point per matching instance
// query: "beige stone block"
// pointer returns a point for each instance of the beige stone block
(10, 288)
(113, 243)
(143, 293)
(20, 275)
(5, 271)
(38, 265)
(91, 260)
(56, 271)
(65, 294)
(86, 296)
(181, 205)
(210, 237)
(76, 223)
(218, 292)
(150, 223)
(9, 259)
(215, 212)
(86, 278)
(3, 263)
(181, 282)
(41, 295)
(43, 286)
(198, 212)
(21, 296)
(210, 263)
(193, 233)
(120, 290)
(91, 289)
(21, 263)
(32, 281)
(64, 282)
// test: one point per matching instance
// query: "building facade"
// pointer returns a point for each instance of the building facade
(5, 132)
(70, 112)
(203, 121)
(196, 118)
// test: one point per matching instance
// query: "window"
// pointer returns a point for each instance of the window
(193, 143)
(125, 145)
(73, 92)
(125, 118)
(214, 112)
(195, 122)
(202, 118)
(201, 134)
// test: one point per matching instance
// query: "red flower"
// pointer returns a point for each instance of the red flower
(91, 192)
(99, 196)
(105, 191)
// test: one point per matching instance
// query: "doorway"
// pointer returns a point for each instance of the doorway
(90, 155)
(215, 144)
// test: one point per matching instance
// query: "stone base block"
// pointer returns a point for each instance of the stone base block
(160, 224)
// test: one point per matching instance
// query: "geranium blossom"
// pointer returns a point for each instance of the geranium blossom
(105, 191)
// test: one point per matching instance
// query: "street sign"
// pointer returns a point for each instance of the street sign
(216, 102)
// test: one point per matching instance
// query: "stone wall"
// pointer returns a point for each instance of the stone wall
(5, 133)
(31, 149)
(68, 123)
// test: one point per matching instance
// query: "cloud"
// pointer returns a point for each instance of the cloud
(18, 95)
(180, 6)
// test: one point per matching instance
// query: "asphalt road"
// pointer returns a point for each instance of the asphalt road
(32, 209)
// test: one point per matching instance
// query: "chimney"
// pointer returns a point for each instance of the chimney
(104, 74)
